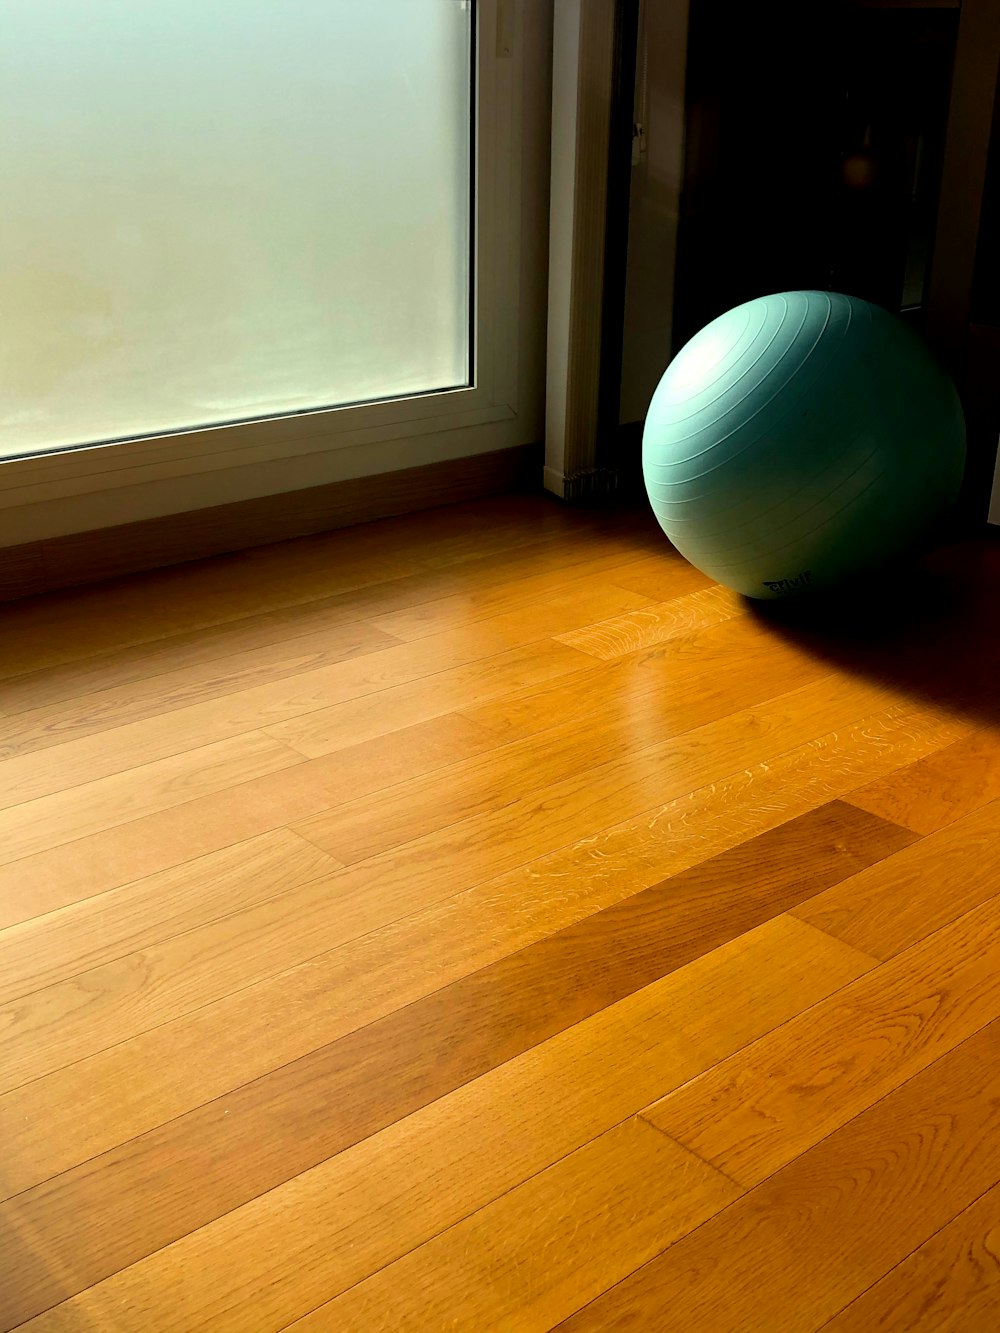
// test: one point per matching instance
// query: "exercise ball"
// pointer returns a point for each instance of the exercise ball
(800, 439)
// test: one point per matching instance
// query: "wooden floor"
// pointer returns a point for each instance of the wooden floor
(479, 920)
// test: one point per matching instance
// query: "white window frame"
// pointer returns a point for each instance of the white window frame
(48, 494)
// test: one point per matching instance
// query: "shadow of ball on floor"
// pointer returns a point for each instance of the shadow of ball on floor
(926, 624)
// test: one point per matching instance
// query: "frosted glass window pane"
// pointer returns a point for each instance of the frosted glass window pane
(216, 210)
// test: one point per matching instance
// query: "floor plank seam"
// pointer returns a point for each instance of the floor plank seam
(906, 1257)
(423, 568)
(353, 1032)
(426, 676)
(749, 1191)
(693, 1152)
(642, 751)
(866, 1109)
(511, 1189)
(152, 944)
(115, 888)
(322, 952)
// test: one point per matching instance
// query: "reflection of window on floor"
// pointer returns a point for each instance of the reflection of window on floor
(217, 211)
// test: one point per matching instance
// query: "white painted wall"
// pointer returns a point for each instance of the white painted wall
(654, 203)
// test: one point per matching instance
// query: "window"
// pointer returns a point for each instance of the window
(462, 306)
(216, 212)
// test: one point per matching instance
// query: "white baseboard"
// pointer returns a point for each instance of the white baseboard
(554, 482)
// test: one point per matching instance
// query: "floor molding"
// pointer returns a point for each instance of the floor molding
(88, 557)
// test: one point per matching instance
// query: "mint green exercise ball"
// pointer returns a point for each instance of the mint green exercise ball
(800, 439)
